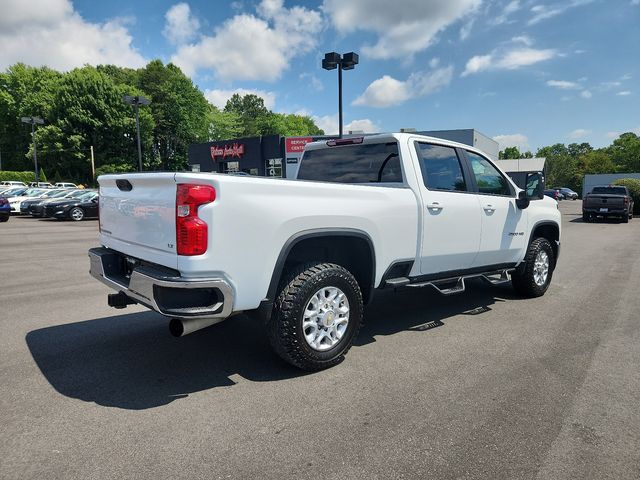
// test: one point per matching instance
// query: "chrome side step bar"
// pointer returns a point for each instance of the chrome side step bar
(444, 286)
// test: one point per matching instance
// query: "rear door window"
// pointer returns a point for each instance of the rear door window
(364, 163)
(441, 168)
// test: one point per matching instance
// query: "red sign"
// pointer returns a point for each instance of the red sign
(293, 145)
(235, 150)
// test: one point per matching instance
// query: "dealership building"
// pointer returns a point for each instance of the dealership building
(278, 156)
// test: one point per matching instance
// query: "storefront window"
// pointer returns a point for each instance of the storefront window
(231, 167)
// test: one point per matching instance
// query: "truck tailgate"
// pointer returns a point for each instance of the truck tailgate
(137, 216)
(610, 201)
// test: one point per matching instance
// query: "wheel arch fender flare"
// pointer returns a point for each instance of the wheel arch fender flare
(319, 233)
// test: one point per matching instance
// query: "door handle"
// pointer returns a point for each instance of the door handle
(489, 208)
(434, 206)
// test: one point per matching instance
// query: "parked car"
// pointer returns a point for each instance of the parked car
(552, 193)
(608, 201)
(17, 199)
(48, 195)
(12, 183)
(85, 206)
(568, 193)
(41, 185)
(65, 185)
(5, 209)
(365, 213)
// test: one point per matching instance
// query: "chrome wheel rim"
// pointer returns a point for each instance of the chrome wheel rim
(77, 214)
(325, 318)
(541, 268)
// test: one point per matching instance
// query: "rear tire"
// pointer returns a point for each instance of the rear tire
(625, 218)
(307, 327)
(76, 214)
(533, 277)
(586, 217)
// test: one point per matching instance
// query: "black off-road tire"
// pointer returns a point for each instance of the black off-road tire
(285, 325)
(522, 278)
(625, 218)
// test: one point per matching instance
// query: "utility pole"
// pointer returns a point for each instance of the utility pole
(136, 102)
(334, 60)
(93, 166)
(33, 121)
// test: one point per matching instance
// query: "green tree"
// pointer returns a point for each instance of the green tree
(224, 125)
(509, 153)
(24, 91)
(625, 152)
(180, 111)
(252, 112)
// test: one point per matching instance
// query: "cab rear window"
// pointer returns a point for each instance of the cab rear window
(364, 163)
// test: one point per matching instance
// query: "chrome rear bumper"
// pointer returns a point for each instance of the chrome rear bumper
(168, 295)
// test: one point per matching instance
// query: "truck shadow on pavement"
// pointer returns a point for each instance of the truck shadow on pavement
(130, 361)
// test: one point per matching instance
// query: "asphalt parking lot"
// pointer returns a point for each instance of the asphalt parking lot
(546, 388)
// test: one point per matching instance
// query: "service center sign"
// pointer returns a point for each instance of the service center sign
(296, 145)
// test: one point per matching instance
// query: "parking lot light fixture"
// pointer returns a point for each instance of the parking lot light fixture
(34, 121)
(347, 61)
(136, 102)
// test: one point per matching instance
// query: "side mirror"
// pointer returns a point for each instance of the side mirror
(534, 186)
(522, 201)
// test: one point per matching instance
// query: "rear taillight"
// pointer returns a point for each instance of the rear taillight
(192, 231)
(626, 201)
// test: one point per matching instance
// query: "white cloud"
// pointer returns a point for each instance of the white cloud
(612, 135)
(526, 40)
(52, 33)
(635, 2)
(509, 8)
(219, 97)
(563, 84)
(365, 125)
(586, 94)
(543, 12)
(387, 91)
(624, 93)
(402, 30)
(513, 140)
(314, 82)
(329, 123)
(250, 47)
(507, 59)
(465, 30)
(180, 25)
(579, 133)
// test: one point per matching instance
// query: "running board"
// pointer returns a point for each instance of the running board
(444, 287)
(505, 277)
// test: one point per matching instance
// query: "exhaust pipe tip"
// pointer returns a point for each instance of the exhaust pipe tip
(179, 327)
(176, 328)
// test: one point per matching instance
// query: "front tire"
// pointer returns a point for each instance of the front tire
(316, 316)
(533, 277)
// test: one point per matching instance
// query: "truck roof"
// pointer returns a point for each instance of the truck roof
(386, 137)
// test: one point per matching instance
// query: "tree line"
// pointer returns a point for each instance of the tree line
(566, 165)
(84, 107)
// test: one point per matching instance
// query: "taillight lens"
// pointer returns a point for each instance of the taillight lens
(191, 231)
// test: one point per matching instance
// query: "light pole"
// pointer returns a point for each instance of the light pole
(347, 61)
(33, 121)
(136, 102)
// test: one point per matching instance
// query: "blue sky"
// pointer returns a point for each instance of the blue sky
(526, 72)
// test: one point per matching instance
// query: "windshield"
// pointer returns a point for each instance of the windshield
(77, 193)
(55, 194)
(610, 190)
(12, 191)
(87, 196)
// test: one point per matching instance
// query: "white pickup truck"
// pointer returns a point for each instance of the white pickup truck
(304, 255)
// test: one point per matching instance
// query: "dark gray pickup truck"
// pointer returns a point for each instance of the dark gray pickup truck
(608, 201)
